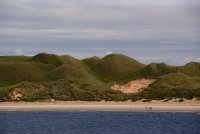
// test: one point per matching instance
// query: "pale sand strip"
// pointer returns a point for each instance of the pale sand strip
(102, 106)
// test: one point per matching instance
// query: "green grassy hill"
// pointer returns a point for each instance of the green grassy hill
(92, 77)
(173, 86)
(191, 69)
(114, 67)
(47, 59)
(72, 69)
(13, 59)
(42, 67)
(160, 69)
(62, 90)
(157, 69)
(13, 73)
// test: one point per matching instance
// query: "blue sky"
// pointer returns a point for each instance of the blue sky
(147, 30)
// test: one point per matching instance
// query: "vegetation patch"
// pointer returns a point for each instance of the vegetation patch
(62, 90)
(47, 59)
(173, 86)
(114, 67)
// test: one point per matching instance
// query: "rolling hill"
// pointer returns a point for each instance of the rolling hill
(114, 67)
(173, 86)
(91, 78)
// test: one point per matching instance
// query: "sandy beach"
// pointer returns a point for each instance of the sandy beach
(186, 106)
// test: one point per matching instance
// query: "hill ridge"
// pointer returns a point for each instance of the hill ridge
(91, 78)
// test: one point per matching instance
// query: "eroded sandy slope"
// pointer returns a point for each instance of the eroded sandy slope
(134, 86)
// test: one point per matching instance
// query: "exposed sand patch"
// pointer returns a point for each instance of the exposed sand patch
(16, 94)
(134, 86)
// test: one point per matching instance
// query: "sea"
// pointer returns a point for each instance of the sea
(98, 122)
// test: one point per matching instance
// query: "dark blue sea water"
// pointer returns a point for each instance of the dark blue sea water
(90, 122)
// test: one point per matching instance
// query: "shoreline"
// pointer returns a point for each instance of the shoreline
(133, 108)
(138, 106)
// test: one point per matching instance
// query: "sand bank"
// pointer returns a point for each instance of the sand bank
(186, 106)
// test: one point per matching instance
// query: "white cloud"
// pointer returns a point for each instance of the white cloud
(109, 52)
(148, 30)
(18, 51)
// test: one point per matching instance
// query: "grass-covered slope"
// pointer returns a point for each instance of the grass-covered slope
(157, 69)
(15, 69)
(114, 67)
(42, 67)
(61, 90)
(47, 59)
(160, 69)
(13, 59)
(191, 69)
(12, 73)
(120, 68)
(173, 86)
(72, 69)
(39, 78)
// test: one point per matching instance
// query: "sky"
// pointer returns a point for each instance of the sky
(147, 30)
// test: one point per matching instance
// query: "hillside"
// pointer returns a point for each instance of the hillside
(42, 67)
(13, 59)
(46, 76)
(47, 59)
(72, 69)
(67, 90)
(158, 69)
(173, 86)
(13, 73)
(114, 67)
(192, 69)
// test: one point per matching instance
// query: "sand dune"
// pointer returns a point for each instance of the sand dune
(134, 86)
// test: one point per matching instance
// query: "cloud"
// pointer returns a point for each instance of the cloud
(18, 51)
(108, 52)
(148, 30)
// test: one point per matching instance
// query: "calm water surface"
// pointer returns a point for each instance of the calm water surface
(90, 122)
